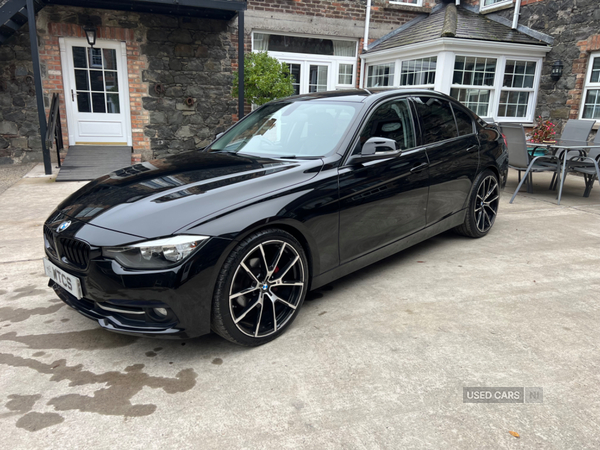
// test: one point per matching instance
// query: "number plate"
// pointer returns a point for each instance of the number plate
(63, 279)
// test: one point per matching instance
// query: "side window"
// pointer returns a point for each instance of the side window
(464, 122)
(391, 120)
(437, 119)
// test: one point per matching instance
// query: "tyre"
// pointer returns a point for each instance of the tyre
(260, 288)
(482, 210)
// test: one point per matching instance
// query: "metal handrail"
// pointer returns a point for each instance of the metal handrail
(54, 130)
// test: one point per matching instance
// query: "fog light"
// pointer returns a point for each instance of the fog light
(161, 312)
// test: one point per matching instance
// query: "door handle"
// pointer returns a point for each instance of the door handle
(72, 95)
(419, 167)
(472, 147)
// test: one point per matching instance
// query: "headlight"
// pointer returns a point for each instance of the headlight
(158, 254)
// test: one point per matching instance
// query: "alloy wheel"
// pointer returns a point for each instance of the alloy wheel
(486, 205)
(267, 288)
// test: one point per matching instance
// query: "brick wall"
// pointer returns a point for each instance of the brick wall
(341, 18)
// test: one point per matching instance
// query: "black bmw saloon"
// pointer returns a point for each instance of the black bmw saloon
(304, 190)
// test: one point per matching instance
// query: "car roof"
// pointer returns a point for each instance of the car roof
(358, 95)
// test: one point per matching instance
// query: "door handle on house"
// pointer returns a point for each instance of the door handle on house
(72, 95)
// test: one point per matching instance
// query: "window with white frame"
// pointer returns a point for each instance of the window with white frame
(316, 64)
(407, 2)
(418, 72)
(493, 83)
(484, 4)
(473, 83)
(381, 75)
(345, 74)
(591, 94)
(517, 87)
(476, 84)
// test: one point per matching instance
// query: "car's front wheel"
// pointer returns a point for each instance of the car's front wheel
(260, 288)
(483, 206)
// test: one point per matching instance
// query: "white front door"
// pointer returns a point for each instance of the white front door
(96, 92)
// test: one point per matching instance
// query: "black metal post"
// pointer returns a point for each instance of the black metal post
(240, 65)
(37, 76)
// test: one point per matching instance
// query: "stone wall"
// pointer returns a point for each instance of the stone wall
(179, 74)
(575, 26)
(19, 125)
(190, 78)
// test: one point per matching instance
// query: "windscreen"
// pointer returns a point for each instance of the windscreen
(290, 130)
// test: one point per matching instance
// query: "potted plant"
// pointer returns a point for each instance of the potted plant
(543, 132)
(265, 79)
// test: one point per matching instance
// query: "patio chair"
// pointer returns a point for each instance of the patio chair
(577, 130)
(589, 167)
(520, 159)
(574, 130)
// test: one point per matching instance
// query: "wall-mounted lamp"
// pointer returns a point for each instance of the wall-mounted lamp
(557, 70)
(90, 34)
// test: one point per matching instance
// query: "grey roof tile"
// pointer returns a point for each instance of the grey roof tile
(469, 25)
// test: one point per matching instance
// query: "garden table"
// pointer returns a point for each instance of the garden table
(552, 150)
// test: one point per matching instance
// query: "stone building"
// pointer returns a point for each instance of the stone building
(159, 77)
(510, 47)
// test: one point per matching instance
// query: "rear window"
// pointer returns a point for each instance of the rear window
(463, 121)
(437, 119)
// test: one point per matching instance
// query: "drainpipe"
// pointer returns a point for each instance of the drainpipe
(362, 73)
(367, 20)
(240, 65)
(515, 23)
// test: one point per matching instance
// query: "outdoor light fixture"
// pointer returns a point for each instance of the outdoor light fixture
(557, 70)
(90, 34)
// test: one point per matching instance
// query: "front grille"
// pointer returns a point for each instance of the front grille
(75, 252)
(49, 238)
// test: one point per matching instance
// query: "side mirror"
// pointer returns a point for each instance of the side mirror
(377, 144)
(375, 148)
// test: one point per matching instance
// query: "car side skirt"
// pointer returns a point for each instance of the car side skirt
(389, 250)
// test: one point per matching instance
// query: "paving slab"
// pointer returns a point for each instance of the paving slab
(378, 359)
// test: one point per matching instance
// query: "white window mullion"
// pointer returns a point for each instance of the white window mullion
(397, 70)
(498, 81)
(444, 72)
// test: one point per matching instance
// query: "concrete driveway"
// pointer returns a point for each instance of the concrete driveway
(378, 359)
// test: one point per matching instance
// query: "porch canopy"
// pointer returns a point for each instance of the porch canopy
(15, 13)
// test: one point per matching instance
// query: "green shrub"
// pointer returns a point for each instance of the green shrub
(265, 79)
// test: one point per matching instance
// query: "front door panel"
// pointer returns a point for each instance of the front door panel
(384, 200)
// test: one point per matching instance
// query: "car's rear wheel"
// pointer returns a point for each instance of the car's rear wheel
(260, 288)
(483, 206)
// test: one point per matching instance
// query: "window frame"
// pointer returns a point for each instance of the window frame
(495, 5)
(498, 87)
(399, 64)
(419, 3)
(306, 59)
(588, 85)
(394, 76)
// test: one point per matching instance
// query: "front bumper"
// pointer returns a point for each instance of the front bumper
(135, 301)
